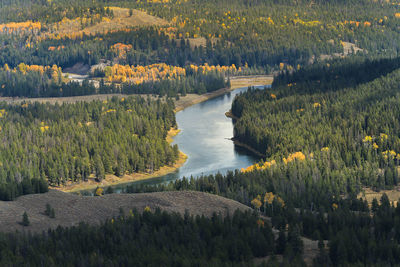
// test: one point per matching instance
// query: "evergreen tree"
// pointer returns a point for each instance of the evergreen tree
(25, 219)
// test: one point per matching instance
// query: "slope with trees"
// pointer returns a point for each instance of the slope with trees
(56, 144)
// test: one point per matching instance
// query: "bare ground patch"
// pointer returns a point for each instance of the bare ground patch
(348, 48)
(197, 42)
(60, 100)
(70, 99)
(369, 195)
(256, 80)
(71, 209)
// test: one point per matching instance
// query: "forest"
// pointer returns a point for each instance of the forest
(350, 232)
(348, 128)
(56, 144)
(149, 239)
(263, 34)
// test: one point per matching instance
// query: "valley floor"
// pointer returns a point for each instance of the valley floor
(182, 103)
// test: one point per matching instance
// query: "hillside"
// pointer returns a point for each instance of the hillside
(71, 209)
(122, 20)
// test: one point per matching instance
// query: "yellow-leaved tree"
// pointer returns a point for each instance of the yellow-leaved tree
(256, 202)
(99, 191)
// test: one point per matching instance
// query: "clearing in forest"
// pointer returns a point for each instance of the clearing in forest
(71, 209)
(369, 195)
(122, 20)
(197, 42)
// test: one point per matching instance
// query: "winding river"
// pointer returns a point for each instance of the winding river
(205, 138)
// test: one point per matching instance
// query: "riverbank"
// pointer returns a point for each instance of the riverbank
(247, 147)
(112, 180)
(240, 82)
(230, 115)
(236, 82)
(193, 99)
(182, 103)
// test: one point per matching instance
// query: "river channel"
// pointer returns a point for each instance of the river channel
(205, 138)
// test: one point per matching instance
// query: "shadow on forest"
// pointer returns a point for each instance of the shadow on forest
(333, 75)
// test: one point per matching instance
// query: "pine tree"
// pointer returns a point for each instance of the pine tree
(294, 241)
(50, 211)
(99, 169)
(281, 242)
(25, 219)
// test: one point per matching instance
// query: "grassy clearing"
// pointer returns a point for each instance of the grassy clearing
(348, 49)
(122, 20)
(72, 209)
(369, 195)
(256, 80)
(197, 42)
(70, 99)
(192, 99)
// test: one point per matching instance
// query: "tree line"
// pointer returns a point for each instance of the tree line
(38, 81)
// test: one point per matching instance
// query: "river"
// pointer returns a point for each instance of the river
(205, 138)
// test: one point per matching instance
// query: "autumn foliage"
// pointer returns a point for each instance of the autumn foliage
(121, 49)
(259, 166)
(139, 74)
(17, 27)
(299, 156)
(54, 72)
